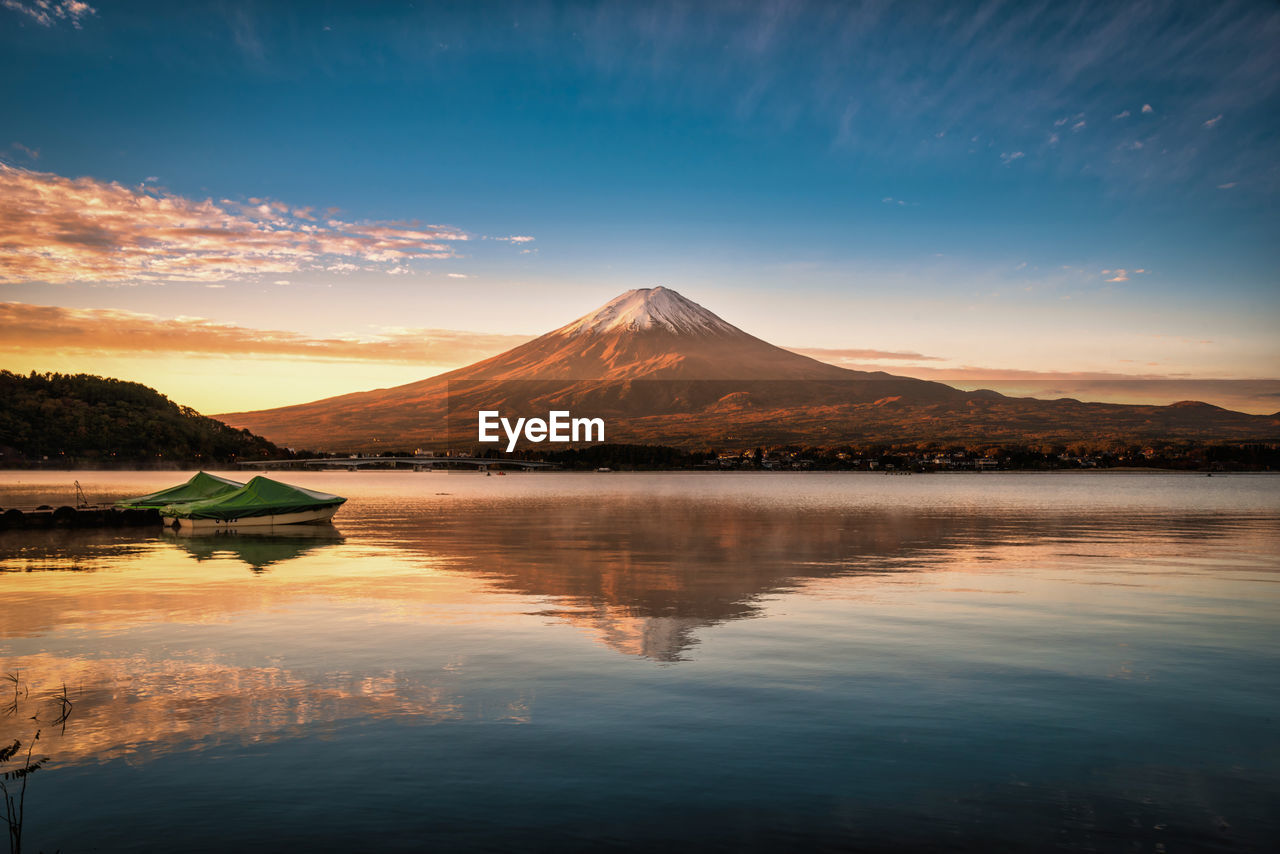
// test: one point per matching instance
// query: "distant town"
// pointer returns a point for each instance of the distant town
(1239, 457)
(623, 457)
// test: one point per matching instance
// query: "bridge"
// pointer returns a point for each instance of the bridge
(415, 463)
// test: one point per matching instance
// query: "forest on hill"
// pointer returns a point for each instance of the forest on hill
(52, 418)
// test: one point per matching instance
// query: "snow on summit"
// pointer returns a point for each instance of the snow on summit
(648, 308)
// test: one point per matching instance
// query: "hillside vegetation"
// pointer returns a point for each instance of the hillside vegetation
(80, 417)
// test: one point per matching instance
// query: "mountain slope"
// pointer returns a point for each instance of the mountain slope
(663, 369)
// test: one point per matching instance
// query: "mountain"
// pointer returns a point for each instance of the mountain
(652, 334)
(64, 417)
(659, 368)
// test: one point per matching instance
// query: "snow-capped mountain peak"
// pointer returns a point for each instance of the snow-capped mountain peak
(645, 309)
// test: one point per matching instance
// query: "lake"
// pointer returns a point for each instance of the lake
(710, 661)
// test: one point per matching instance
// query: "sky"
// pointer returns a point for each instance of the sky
(246, 205)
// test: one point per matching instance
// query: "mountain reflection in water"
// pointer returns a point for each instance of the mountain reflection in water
(643, 575)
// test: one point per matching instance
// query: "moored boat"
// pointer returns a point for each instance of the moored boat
(261, 502)
(200, 487)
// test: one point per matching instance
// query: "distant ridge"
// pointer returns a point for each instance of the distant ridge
(668, 371)
(55, 417)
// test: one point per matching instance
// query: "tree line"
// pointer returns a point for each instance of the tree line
(50, 418)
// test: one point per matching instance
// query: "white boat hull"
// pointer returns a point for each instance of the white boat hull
(324, 514)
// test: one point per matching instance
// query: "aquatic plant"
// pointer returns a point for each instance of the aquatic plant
(11, 707)
(15, 800)
(15, 768)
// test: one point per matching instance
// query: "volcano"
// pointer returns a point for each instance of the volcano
(662, 369)
(650, 334)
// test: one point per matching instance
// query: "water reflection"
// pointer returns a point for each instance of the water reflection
(259, 549)
(798, 660)
(72, 549)
(640, 576)
(140, 708)
(643, 576)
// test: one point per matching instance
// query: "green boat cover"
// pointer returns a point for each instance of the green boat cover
(259, 497)
(201, 487)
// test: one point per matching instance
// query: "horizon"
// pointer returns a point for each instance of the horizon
(1039, 201)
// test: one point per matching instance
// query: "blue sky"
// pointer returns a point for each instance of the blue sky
(975, 182)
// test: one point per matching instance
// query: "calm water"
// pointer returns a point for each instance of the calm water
(732, 662)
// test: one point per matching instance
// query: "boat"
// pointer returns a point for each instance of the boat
(262, 502)
(200, 487)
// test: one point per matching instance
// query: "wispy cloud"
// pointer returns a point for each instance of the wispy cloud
(876, 78)
(839, 356)
(1122, 275)
(516, 238)
(879, 79)
(46, 13)
(1213, 121)
(25, 327)
(33, 153)
(244, 31)
(1008, 157)
(1124, 114)
(56, 229)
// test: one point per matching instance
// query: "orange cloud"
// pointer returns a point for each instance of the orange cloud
(47, 12)
(839, 357)
(55, 229)
(24, 328)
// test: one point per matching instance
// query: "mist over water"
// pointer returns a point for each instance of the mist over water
(729, 661)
